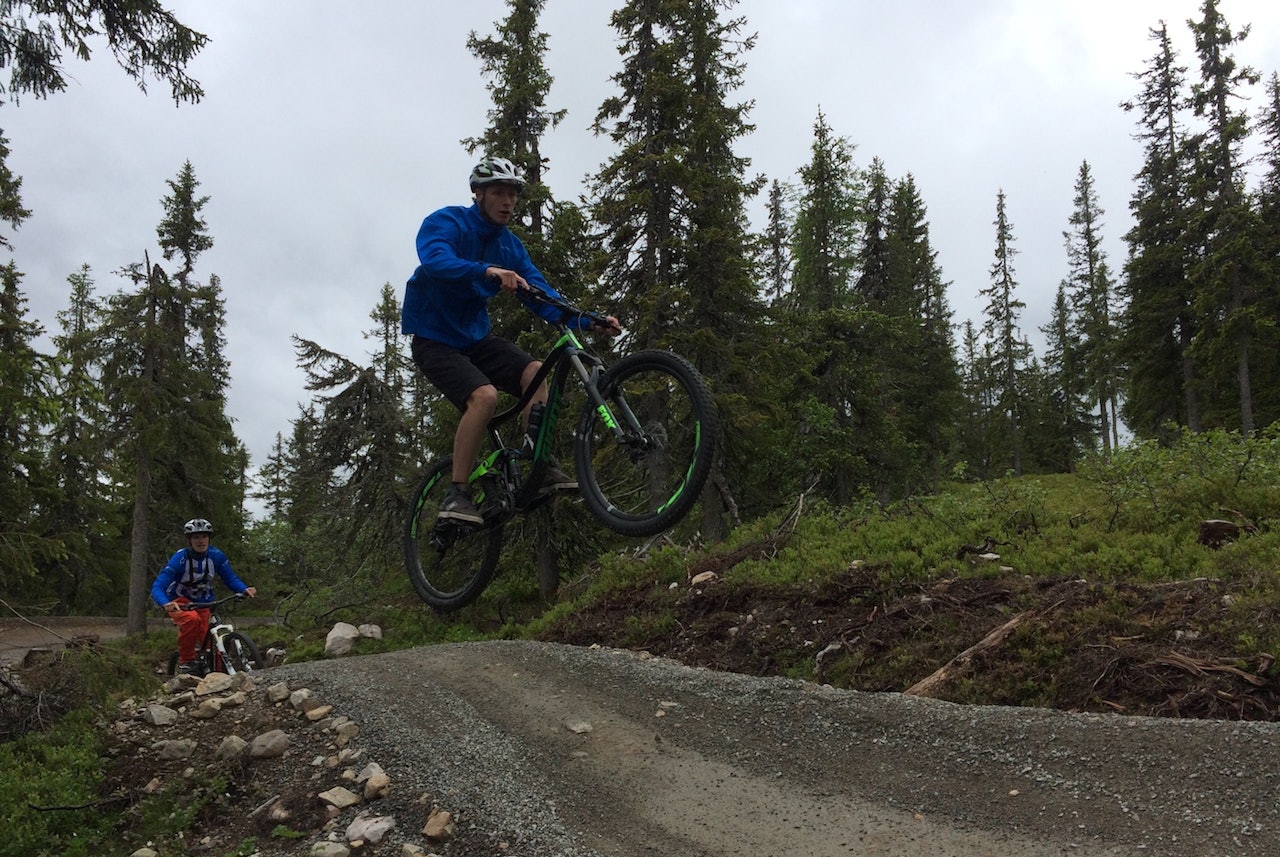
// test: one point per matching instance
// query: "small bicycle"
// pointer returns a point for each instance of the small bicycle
(643, 449)
(224, 649)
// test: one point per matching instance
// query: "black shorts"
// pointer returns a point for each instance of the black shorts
(459, 372)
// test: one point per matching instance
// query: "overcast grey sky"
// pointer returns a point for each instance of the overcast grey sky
(326, 135)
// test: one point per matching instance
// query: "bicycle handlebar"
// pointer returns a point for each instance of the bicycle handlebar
(567, 310)
(211, 605)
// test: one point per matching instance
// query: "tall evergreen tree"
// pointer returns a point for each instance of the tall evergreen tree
(167, 379)
(1009, 350)
(846, 426)
(1066, 428)
(670, 205)
(27, 408)
(884, 292)
(1267, 359)
(827, 222)
(1227, 271)
(358, 446)
(777, 243)
(1090, 285)
(874, 278)
(1158, 322)
(518, 82)
(927, 378)
(86, 512)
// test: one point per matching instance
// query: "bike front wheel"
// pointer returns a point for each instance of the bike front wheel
(642, 475)
(449, 563)
(242, 653)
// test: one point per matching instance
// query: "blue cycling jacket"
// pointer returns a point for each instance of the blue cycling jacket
(189, 575)
(447, 298)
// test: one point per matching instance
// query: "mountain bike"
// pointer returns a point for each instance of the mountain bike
(643, 449)
(224, 649)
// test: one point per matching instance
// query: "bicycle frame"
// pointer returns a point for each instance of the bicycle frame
(567, 355)
(217, 635)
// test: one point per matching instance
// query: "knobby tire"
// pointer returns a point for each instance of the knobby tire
(242, 652)
(451, 575)
(645, 486)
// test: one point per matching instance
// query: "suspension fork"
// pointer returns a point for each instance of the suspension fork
(625, 429)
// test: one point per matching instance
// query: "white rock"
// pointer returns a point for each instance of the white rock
(339, 797)
(172, 750)
(370, 828)
(213, 683)
(377, 786)
(368, 771)
(269, 745)
(341, 639)
(159, 715)
(231, 747)
(373, 632)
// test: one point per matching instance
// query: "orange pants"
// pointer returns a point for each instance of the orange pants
(192, 626)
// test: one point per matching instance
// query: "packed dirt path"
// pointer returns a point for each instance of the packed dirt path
(18, 636)
(559, 750)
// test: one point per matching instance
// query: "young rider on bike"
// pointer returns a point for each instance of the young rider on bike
(186, 583)
(467, 255)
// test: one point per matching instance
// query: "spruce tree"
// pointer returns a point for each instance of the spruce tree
(166, 379)
(360, 459)
(845, 425)
(827, 222)
(1009, 350)
(1266, 362)
(776, 260)
(1158, 322)
(927, 378)
(86, 514)
(1227, 272)
(518, 83)
(27, 408)
(1066, 428)
(670, 206)
(1090, 292)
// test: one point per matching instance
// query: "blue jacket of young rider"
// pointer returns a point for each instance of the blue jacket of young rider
(447, 297)
(189, 575)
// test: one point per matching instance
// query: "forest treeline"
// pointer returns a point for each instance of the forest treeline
(825, 333)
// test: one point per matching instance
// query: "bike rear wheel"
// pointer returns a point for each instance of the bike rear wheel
(449, 564)
(649, 480)
(242, 653)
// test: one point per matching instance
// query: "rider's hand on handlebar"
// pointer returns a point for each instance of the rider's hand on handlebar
(510, 281)
(609, 324)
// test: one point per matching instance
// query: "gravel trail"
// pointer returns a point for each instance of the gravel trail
(557, 750)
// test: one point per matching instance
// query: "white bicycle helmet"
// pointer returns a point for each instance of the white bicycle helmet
(492, 170)
(197, 525)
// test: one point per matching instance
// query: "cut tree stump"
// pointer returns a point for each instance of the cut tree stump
(960, 663)
(1217, 533)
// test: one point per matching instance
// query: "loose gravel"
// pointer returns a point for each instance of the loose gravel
(543, 749)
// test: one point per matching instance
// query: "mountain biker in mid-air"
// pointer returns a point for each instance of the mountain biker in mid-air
(466, 256)
(184, 588)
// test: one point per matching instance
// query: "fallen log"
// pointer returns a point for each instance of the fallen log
(960, 663)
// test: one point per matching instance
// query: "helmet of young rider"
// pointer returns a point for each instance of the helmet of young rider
(495, 170)
(197, 525)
